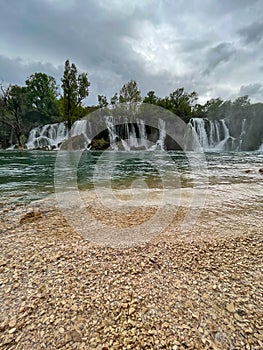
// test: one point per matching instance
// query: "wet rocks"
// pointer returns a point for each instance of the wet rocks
(198, 290)
(30, 216)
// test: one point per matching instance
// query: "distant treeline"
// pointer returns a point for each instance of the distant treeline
(39, 102)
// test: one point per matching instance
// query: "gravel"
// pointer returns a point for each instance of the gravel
(195, 290)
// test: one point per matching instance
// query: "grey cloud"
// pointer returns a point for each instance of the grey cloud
(251, 89)
(15, 71)
(252, 33)
(93, 33)
(223, 52)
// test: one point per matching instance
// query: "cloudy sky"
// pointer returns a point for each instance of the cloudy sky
(214, 47)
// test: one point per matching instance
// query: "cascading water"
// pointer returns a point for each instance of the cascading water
(133, 136)
(162, 134)
(49, 136)
(243, 133)
(112, 132)
(199, 131)
(81, 127)
(142, 133)
(212, 134)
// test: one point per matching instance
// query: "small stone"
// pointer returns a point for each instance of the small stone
(241, 312)
(2, 262)
(75, 336)
(132, 310)
(31, 327)
(61, 330)
(238, 318)
(230, 307)
(12, 330)
(8, 339)
(189, 304)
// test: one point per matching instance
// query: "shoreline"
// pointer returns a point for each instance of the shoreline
(195, 290)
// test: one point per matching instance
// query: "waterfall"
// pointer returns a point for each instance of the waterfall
(82, 127)
(49, 136)
(242, 135)
(199, 131)
(112, 132)
(133, 136)
(212, 134)
(142, 133)
(124, 135)
(162, 135)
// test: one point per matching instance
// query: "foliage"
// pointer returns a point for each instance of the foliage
(13, 105)
(130, 93)
(75, 89)
(42, 92)
(102, 100)
(179, 102)
(151, 98)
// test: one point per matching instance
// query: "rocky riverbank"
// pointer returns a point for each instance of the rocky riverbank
(195, 290)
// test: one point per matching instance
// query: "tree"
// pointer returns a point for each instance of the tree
(102, 100)
(151, 98)
(114, 100)
(42, 94)
(75, 89)
(130, 93)
(242, 101)
(13, 106)
(213, 108)
(180, 103)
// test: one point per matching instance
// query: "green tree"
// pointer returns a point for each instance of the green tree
(75, 89)
(13, 107)
(180, 103)
(130, 93)
(151, 98)
(213, 108)
(114, 100)
(42, 94)
(102, 100)
(199, 111)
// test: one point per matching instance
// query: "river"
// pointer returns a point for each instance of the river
(29, 175)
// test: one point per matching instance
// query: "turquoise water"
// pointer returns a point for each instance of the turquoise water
(29, 175)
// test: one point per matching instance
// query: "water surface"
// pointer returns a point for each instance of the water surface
(29, 175)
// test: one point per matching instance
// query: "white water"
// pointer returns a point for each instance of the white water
(243, 133)
(112, 133)
(81, 127)
(49, 136)
(210, 134)
(128, 139)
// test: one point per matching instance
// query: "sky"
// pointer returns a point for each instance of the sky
(213, 47)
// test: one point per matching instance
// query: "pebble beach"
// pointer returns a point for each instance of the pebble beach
(196, 290)
(200, 289)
